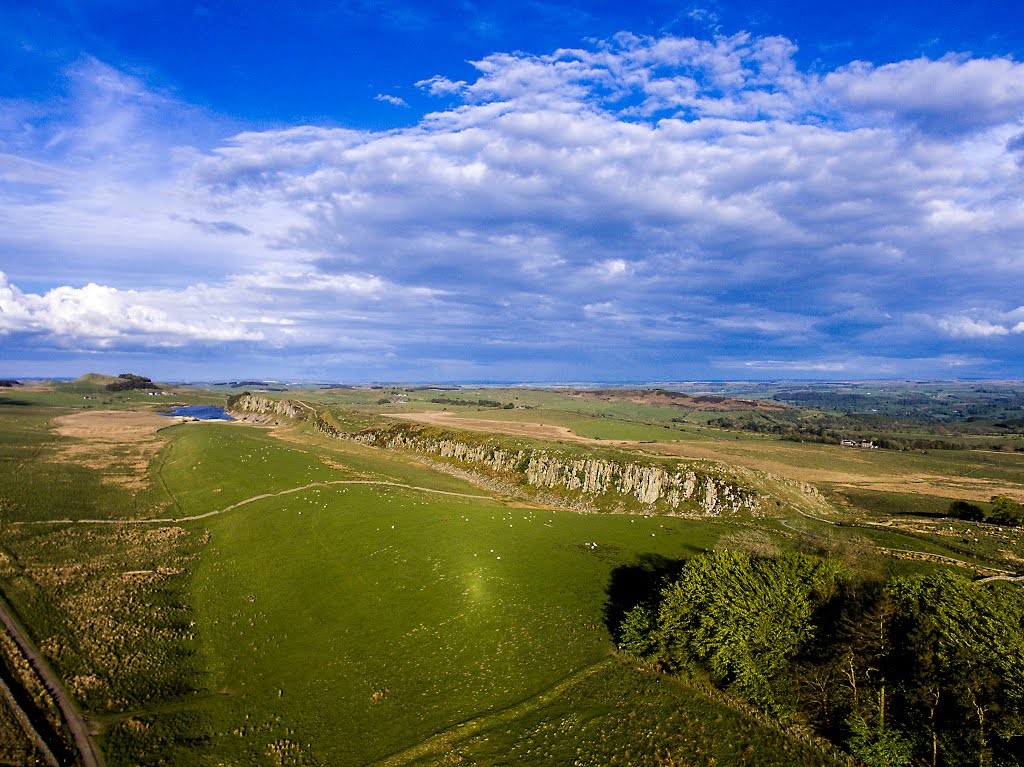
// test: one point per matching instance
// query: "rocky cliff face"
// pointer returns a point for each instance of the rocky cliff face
(665, 487)
(687, 488)
(257, 409)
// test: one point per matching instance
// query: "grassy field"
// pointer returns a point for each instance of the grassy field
(399, 612)
(343, 596)
(629, 716)
(306, 600)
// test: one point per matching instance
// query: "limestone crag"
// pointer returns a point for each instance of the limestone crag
(679, 488)
(257, 409)
(685, 489)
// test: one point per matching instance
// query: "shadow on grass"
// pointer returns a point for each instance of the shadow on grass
(637, 583)
(11, 401)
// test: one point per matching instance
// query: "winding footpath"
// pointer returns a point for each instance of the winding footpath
(997, 573)
(253, 499)
(89, 755)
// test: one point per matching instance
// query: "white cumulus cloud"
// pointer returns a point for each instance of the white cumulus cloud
(397, 101)
(676, 195)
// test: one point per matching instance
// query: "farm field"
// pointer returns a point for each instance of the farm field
(224, 593)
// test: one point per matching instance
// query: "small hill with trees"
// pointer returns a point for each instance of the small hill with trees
(127, 381)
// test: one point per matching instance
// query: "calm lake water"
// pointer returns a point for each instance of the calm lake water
(202, 412)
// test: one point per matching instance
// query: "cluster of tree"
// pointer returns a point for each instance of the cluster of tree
(890, 442)
(922, 670)
(1004, 511)
(127, 381)
(8, 383)
(473, 403)
(826, 430)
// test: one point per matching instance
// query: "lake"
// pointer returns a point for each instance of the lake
(202, 412)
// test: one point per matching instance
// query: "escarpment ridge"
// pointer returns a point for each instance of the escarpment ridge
(587, 482)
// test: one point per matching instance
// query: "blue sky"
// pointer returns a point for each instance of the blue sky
(495, 191)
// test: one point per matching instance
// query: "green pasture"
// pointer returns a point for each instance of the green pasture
(446, 608)
(343, 604)
(594, 427)
(77, 395)
(587, 417)
(877, 503)
(628, 716)
(212, 465)
(1005, 467)
(354, 620)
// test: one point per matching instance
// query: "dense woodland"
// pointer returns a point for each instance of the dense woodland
(911, 670)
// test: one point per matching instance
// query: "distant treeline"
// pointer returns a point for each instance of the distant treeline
(966, 405)
(473, 403)
(128, 381)
(8, 383)
(832, 429)
(922, 670)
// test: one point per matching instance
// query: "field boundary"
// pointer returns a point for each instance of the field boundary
(26, 724)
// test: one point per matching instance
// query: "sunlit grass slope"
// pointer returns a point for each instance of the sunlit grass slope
(346, 622)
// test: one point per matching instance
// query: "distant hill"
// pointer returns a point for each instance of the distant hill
(94, 379)
(90, 383)
(97, 383)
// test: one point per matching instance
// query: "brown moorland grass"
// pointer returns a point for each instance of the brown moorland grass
(111, 425)
(120, 443)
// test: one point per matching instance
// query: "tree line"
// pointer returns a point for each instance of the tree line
(1002, 510)
(925, 669)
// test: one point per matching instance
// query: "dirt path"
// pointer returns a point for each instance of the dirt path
(253, 499)
(87, 751)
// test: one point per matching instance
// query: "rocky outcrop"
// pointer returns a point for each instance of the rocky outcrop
(586, 482)
(257, 409)
(683, 488)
